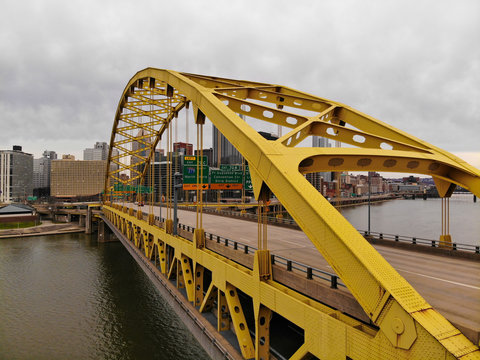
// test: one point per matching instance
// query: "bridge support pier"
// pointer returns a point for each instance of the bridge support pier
(104, 233)
(88, 221)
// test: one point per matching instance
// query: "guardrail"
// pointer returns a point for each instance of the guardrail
(422, 241)
(311, 272)
(413, 240)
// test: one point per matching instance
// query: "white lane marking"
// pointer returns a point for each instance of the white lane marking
(448, 281)
(251, 240)
(279, 240)
(288, 242)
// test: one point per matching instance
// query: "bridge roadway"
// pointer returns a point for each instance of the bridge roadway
(450, 285)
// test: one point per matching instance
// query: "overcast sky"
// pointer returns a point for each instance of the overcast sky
(413, 64)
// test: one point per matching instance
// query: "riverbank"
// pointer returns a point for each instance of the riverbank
(46, 228)
(348, 202)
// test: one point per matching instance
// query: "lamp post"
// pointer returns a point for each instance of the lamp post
(369, 191)
(178, 185)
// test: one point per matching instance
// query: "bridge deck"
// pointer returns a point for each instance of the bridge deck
(450, 285)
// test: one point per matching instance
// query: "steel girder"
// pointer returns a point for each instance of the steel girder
(406, 320)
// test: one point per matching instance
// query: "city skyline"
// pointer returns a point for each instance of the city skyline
(67, 68)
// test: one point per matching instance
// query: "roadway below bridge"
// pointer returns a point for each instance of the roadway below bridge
(450, 285)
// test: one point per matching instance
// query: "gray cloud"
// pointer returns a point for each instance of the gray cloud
(412, 64)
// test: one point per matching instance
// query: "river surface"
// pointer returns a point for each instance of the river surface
(68, 297)
(420, 218)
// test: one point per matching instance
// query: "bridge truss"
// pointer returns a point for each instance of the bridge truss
(402, 324)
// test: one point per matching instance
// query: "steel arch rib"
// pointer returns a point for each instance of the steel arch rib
(378, 288)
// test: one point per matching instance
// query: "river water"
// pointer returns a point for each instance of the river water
(420, 218)
(68, 297)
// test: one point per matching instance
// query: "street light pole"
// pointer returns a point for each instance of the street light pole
(178, 185)
(369, 191)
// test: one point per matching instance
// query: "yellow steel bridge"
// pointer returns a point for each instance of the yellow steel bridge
(402, 324)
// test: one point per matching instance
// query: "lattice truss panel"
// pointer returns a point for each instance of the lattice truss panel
(408, 326)
(143, 115)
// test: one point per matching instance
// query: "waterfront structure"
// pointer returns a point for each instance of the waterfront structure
(16, 175)
(18, 213)
(42, 168)
(77, 178)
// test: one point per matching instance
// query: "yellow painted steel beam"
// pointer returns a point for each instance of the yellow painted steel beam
(208, 300)
(179, 276)
(239, 322)
(161, 250)
(199, 296)
(188, 277)
(263, 316)
(406, 320)
(329, 334)
(223, 313)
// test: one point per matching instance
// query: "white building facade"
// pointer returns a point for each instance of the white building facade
(16, 175)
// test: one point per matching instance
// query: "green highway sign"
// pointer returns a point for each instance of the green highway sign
(141, 189)
(248, 180)
(229, 167)
(219, 176)
(190, 174)
(192, 160)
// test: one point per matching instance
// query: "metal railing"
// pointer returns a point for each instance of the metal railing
(382, 236)
(422, 241)
(290, 265)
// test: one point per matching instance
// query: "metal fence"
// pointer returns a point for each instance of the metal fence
(290, 265)
(422, 241)
(382, 236)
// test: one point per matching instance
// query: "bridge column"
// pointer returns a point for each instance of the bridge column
(104, 233)
(239, 322)
(445, 238)
(263, 316)
(88, 224)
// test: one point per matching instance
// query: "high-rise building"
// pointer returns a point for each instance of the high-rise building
(317, 179)
(141, 151)
(16, 175)
(70, 178)
(268, 136)
(228, 153)
(98, 152)
(318, 141)
(160, 173)
(183, 148)
(41, 169)
(68, 157)
(208, 153)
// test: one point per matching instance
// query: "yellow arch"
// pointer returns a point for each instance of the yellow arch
(387, 298)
